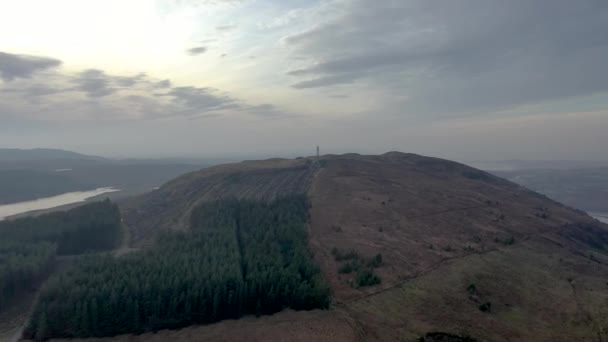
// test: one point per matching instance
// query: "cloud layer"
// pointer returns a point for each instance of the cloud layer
(35, 88)
(23, 66)
(426, 76)
(445, 56)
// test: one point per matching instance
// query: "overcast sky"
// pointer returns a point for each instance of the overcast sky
(460, 79)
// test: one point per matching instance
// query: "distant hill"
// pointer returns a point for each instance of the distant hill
(12, 155)
(583, 188)
(530, 165)
(24, 185)
(31, 174)
(45, 159)
(457, 251)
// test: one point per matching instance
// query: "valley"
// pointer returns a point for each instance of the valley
(30, 175)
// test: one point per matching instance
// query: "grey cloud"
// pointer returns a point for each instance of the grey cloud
(267, 111)
(460, 56)
(363, 63)
(326, 81)
(93, 93)
(94, 83)
(129, 81)
(205, 116)
(196, 50)
(225, 28)
(162, 84)
(34, 90)
(23, 66)
(42, 90)
(193, 100)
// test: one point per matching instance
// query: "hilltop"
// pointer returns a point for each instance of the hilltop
(14, 154)
(454, 249)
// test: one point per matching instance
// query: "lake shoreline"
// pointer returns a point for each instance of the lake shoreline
(13, 210)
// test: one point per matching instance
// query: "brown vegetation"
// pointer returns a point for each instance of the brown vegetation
(440, 226)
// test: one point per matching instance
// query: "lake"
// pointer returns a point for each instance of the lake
(11, 209)
(600, 216)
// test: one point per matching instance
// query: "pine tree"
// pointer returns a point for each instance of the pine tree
(42, 328)
(136, 325)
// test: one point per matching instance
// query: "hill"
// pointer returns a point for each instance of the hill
(32, 174)
(23, 185)
(170, 206)
(411, 246)
(14, 154)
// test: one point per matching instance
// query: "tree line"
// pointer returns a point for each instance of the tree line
(21, 265)
(29, 245)
(88, 228)
(239, 258)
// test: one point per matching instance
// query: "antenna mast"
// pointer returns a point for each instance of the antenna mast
(317, 152)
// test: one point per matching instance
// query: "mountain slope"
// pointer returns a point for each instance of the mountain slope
(169, 206)
(454, 238)
(462, 251)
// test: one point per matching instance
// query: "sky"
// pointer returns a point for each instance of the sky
(458, 79)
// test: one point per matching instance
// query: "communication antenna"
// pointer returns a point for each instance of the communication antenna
(317, 152)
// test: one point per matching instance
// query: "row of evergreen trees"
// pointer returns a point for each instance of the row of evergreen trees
(88, 228)
(29, 245)
(21, 265)
(239, 258)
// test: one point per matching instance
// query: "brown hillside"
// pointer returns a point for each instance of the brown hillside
(169, 206)
(440, 227)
